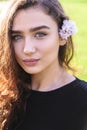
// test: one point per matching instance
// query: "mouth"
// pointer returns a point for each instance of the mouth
(30, 62)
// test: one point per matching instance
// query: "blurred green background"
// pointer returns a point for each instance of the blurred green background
(77, 10)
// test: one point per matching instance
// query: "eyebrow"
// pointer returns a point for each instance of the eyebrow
(32, 29)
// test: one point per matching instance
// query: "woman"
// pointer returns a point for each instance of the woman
(36, 91)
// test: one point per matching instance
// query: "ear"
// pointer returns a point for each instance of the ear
(62, 42)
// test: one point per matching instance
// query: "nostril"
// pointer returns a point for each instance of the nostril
(29, 46)
(29, 50)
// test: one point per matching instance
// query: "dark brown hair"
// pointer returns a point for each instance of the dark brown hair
(13, 79)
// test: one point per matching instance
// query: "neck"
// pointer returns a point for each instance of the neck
(50, 79)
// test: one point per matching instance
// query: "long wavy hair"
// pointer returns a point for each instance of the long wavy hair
(14, 80)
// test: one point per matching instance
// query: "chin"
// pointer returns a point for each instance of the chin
(32, 71)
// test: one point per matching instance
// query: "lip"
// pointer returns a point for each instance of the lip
(30, 62)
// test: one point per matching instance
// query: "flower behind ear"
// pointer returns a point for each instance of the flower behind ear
(68, 29)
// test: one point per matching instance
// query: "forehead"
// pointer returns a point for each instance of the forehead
(32, 17)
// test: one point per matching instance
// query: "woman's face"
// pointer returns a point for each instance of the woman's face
(35, 40)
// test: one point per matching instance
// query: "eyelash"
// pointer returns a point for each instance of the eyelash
(38, 35)
(14, 38)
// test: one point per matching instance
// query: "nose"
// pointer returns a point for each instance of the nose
(29, 47)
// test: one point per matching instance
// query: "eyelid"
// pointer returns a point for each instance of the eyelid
(16, 35)
(41, 33)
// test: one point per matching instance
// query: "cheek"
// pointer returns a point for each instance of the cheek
(49, 47)
(49, 54)
(17, 49)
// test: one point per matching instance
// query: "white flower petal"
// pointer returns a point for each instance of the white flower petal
(68, 29)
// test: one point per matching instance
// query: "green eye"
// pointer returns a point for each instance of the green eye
(16, 37)
(40, 35)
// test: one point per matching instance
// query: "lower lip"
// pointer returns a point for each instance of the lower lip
(31, 63)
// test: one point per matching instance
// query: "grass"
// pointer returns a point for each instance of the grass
(77, 10)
